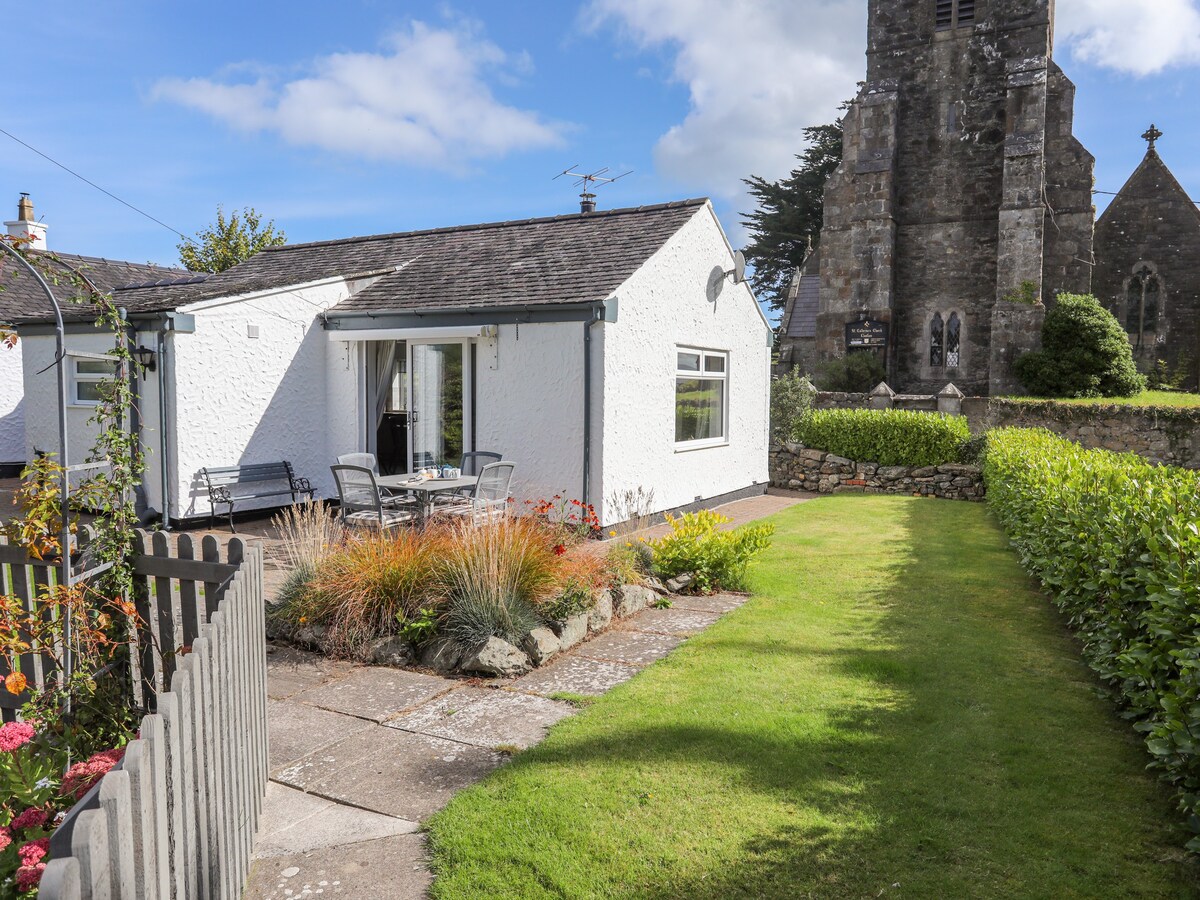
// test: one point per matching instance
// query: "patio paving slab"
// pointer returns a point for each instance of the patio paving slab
(485, 717)
(716, 603)
(290, 671)
(633, 648)
(296, 729)
(376, 693)
(390, 771)
(296, 822)
(684, 622)
(573, 674)
(394, 868)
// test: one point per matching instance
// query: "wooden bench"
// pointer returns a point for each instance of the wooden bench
(262, 479)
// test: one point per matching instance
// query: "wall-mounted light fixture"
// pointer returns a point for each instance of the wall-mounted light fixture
(146, 358)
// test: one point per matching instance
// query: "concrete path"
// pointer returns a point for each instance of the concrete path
(361, 756)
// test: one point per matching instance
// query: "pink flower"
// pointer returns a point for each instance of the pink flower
(31, 818)
(5, 837)
(81, 776)
(28, 877)
(15, 735)
(31, 854)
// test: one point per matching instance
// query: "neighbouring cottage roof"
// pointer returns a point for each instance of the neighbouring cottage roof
(22, 299)
(531, 262)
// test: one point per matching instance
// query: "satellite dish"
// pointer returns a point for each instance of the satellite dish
(739, 267)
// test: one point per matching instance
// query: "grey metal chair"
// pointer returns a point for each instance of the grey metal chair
(474, 460)
(362, 502)
(392, 499)
(488, 501)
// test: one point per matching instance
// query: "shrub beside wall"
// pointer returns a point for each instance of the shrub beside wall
(1116, 540)
(889, 437)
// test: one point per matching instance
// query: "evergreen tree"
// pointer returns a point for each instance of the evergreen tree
(228, 242)
(789, 213)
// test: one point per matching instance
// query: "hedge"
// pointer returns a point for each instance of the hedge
(890, 437)
(1116, 540)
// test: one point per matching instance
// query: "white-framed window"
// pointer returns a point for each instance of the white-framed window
(86, 376)
(701, 397)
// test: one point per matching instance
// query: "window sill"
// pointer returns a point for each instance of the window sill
(701, 445)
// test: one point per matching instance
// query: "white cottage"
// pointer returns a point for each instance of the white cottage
(603, 352)
(21, 299)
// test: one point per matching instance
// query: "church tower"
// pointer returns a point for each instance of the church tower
(963, 199)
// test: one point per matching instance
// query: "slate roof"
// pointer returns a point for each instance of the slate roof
(530, 262)
(21, 298)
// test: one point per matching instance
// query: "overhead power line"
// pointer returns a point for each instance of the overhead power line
(71, 171)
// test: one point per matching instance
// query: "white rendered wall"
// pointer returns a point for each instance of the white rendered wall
(240, 399)
(529, 407)
(41, 404)
(12, 406)
(666, 304)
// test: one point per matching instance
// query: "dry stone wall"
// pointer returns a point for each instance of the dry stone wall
(800, 469)
(1165, 435)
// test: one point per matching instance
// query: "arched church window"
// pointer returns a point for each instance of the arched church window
(1133, 305)
(936, 341)
(953, 340)
(1150, 306)
(1143, 302)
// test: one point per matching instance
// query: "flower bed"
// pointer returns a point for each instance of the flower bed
(492, 600)
(1116, 541)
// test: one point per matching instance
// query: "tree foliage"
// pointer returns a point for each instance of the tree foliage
(789, 213)
(229, 241)
(1085, 353)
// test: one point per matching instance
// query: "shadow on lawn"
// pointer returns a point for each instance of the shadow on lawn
(977, 768)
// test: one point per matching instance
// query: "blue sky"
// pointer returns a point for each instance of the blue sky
(367, 117)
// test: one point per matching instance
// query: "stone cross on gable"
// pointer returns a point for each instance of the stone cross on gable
(1152, 135)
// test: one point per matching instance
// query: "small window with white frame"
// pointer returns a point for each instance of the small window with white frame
(701, 396)
(87, 376)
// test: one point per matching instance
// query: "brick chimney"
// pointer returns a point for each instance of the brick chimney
(26, 227)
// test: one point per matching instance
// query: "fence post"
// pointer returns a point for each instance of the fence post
(949, 400)
(115, 803)
(881, 397)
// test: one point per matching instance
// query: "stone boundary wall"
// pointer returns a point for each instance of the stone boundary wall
(1162, 434)
(799, 469)
(1165, 435)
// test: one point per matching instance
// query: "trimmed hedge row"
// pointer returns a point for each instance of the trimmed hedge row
(890, 437)
(1116, 540)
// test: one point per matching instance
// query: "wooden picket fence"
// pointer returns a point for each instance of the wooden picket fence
(176, 818)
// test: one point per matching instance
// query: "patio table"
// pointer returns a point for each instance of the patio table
(425, 488)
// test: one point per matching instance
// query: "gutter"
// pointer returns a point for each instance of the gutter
(602, 312)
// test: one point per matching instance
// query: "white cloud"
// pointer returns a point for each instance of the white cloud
(757, 72)
(1141, 37)
(424, 100)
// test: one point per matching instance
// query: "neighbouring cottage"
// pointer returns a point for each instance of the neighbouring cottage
(21, 298)
(1148, 267)
(603, 352)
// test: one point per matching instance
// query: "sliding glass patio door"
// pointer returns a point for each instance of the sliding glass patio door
(437, 405)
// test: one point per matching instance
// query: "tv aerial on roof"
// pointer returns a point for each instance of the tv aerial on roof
(588, 181)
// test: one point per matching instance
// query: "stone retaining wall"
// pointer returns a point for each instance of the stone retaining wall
(1166, 435)
(799, 469)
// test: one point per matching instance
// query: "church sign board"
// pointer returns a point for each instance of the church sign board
(866, 334)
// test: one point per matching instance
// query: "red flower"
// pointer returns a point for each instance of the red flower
(559, 549)
(31, 853)
(28, 877)
(83, 775)
(31, 818)
(5, 837)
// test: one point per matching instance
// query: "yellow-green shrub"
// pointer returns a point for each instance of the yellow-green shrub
(717, 559)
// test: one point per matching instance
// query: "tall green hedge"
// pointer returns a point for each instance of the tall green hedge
(1117, 542)
(890, 437)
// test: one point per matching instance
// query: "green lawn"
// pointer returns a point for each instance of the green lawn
(1145, 398)
(897, 713)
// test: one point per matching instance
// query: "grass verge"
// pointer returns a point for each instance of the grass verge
(896, 713)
